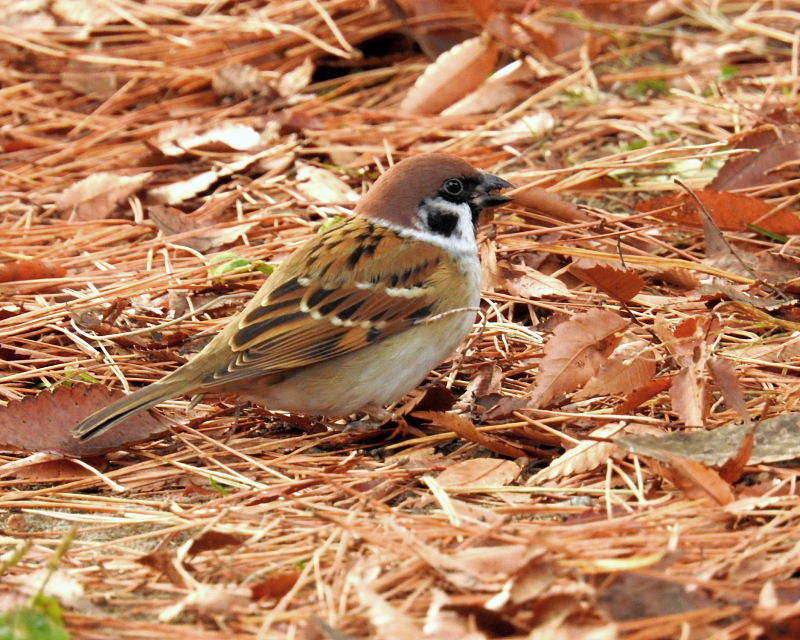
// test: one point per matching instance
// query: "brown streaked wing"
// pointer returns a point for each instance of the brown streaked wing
(375, 284)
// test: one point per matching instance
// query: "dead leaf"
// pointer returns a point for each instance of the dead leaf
(724, 374)
(163, 563)
(688, 394)
(96, 197)
(453, 75)
(733, 469)
(504, 87)
(90, 79)
(43, 422)
(322, 186)
(574, 353)
(93, 14)
(549, 203)
(633, 596)
(240, 80)
(631, 366)
(699, 480)
(619, 283)
(527, 129)
(179, 139)
(275, 586)
(388, 622)
(490, 472)
(436, 397)
(773, 147)
(173, 221)
(525, 282)
(33, 269)
(730, 211)
(775, 441)
(642, 395)
(293, 82)
(212, 540)
(467, 430)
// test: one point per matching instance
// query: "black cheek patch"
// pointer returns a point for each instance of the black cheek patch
(442, 222)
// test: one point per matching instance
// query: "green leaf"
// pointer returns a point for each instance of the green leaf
(220, 487)
(728, 72)
(770, 234)
(264, 267)
(40, 621)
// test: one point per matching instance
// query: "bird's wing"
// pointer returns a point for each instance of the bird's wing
(351, 287)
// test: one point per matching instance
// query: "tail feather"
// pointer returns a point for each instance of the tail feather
(103, 420)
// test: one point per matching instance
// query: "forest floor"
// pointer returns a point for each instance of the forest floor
(609, 455)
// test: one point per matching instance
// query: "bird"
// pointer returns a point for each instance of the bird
(358, 315)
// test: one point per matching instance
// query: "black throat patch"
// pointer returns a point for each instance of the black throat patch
(440, 220)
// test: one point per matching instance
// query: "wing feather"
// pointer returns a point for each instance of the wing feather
(326, 303)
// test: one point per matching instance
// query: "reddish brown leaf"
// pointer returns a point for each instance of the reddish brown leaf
(724, 374)
(574, 353)
(212, 540)
(467, 430)
(699, 480)
(163, 562)
(33, 269)
(631, 366)
(773, 147)
(548, 203)
(437, 397)
(732, 470)
(730, 211)
(455, 73)
(688, 395)
(619, 283)
(43, 422)
(202, 234)
(274, 587)
(640, 396)
(479, 471)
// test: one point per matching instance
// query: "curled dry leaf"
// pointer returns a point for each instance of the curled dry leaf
(91, 14)
(467, 430)
(527, 129)
(574, 353)
(724, 374)
(630, 367)
(173, 221)
(388, 622)
(275, 586)
(454, 74)
(241, 80)
(43, 422)
(293, 82)
(772, 149)
(619, 283)
(322, 186)
(33, 269)
(96, 197)
(183, 137)
(504, 87)
(548, 203)
(730, 211)
(489, 472)
(525, 282)
(697, 480)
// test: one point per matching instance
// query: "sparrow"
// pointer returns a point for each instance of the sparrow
(357, 316)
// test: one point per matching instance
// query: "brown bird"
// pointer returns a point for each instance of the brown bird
(358, 315)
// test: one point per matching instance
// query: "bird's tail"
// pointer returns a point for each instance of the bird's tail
(116, 412)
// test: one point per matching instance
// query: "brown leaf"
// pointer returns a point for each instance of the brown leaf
(773, 147)
(523, 281)
(163, 562)
(630, 367)
(642, 395)
(212, 540)
(631, 596)
(733, 469)
(43, 422)
(619, 283)
(574, 353)
(504, 87)
(488, 472)
(321, 185)
(730, 211)
(467, 430)
(173, 221)
(437, 397)
(275, 586)
(90, 79)
(33, 269)
(699, 481)
(454, 74)
(549, 203)
(688, 395)
(724, 374)
(97, 196)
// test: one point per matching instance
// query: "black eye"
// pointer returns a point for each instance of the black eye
(453, 186)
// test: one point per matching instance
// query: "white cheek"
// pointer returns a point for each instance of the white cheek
(461, 241)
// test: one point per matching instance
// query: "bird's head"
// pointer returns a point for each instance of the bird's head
(436, 194)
